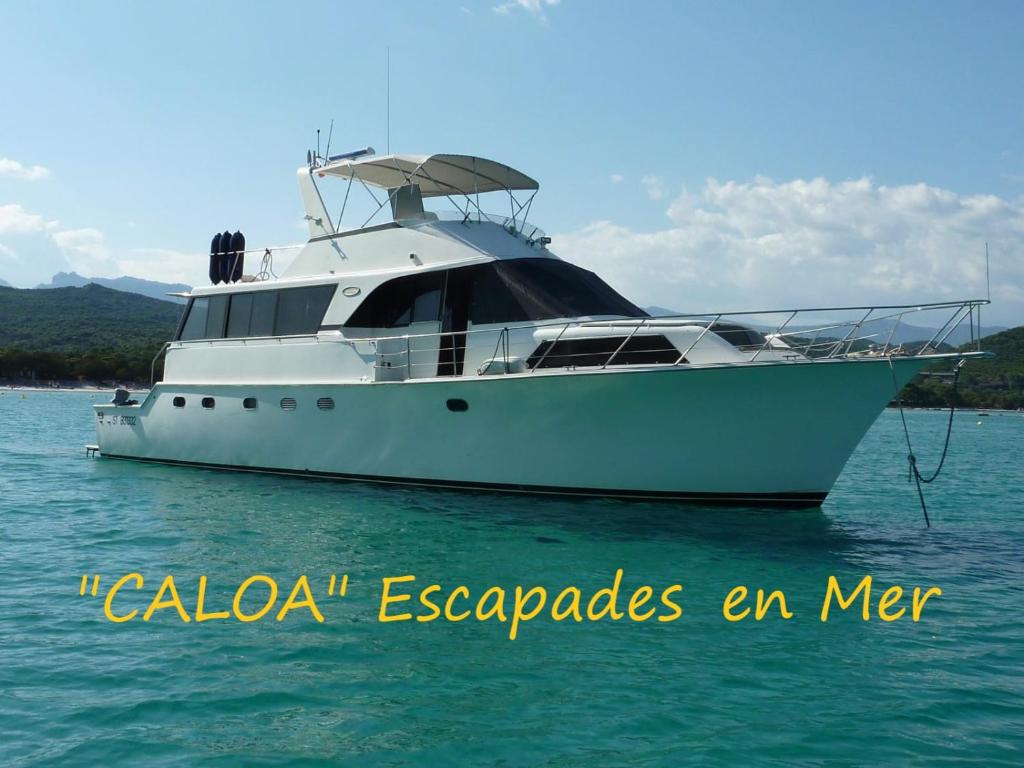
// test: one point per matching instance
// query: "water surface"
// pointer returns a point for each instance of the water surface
(76, 689)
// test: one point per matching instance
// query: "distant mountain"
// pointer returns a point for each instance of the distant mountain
(77, 319)
(4, 283)
(151, 288)
(654, 311)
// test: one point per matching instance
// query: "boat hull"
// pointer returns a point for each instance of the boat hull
(773, 434)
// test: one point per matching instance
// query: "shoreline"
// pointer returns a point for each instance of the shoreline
(85, 388)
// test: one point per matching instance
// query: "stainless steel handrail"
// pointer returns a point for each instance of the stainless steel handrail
(152, 365)
(690, 319)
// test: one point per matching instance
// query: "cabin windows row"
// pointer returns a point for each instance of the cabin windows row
(285, 312)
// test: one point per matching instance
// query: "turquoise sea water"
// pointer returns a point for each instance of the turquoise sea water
(76, 689)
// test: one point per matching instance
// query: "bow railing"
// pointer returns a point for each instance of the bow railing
(763, 336)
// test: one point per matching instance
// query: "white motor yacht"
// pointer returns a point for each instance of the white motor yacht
(458, 351)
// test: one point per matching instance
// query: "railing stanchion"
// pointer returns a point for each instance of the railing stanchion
(892, 332)
(777, 334)
(697, 340)
(152, 366)
(553, 343)
(625, 341)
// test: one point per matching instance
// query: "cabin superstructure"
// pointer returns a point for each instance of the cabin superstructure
(454, 286)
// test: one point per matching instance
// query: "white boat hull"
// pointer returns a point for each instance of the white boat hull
(761, 434)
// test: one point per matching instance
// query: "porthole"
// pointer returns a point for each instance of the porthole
(249, 403)
(179, 402)
(457, 405)
(208, 403)
(325, 403)
(351, 291)
(288, 403)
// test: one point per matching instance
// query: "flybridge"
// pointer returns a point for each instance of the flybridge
(408, 179)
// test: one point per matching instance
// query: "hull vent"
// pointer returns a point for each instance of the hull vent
(288, 404)
(325, 404)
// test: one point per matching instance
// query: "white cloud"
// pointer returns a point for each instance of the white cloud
(616, 178)
(764, 244)
(87, 252)
(167, 265)
(535, 7)
(33, 249)
(16, 220)
(15, 170)
(654, 187)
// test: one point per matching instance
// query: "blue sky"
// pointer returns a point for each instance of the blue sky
(154, 125)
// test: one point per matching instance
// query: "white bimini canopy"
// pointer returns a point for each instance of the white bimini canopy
(436, 175)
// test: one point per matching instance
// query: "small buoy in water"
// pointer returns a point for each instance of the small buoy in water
(979, 423)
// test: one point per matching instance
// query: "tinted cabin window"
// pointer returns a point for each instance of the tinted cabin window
(490, 300)
(398, 302)
(541, 289)
(427, 307)
(613, 350)
(216, 317)
(739, 336)
(264, 310)
(288, 312)
(239, 315)
(195, 322)
(300, 310)
(516, 290)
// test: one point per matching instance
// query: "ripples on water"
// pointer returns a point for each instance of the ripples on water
(77, 690)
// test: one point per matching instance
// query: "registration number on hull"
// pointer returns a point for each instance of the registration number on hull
(115, 419)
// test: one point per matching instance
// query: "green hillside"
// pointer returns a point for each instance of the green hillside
(78, 319)
(994, 383)
(91, 333)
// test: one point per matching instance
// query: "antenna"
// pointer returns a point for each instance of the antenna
(318, 142)
(387, 118)
(988, 284)
(330, 133)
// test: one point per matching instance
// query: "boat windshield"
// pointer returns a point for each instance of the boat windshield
(508, 291)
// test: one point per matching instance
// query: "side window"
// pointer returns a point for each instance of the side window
(239, 313)
(398, 302)
(288, 312)
(264, 310)
(216, 317)
(491, 299)
(300, 310)
(426, 307)
(195, 323)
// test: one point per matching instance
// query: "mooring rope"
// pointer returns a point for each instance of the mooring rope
(912, 471)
